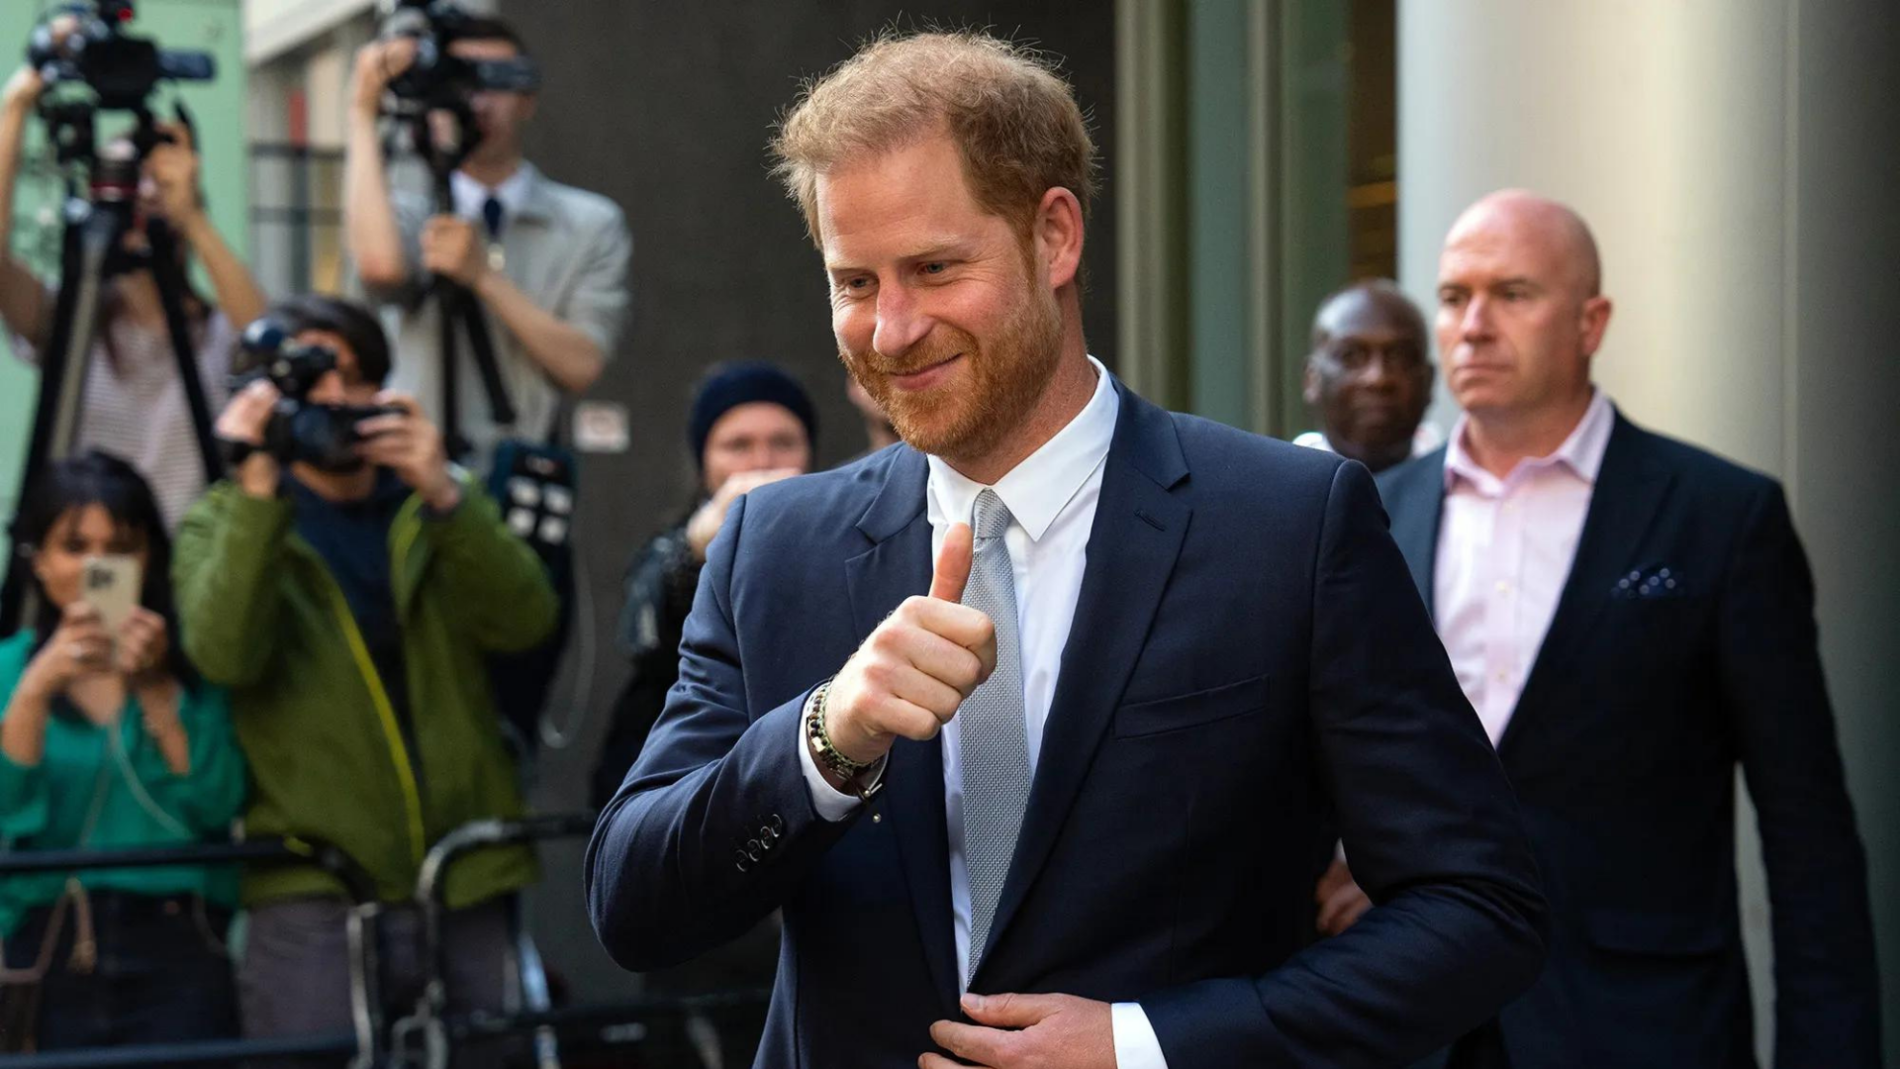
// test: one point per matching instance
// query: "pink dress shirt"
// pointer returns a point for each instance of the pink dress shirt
(1505, 547)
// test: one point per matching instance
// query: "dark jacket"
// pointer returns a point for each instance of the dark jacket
(1623, 747)
(660, 584)
(1246, 650)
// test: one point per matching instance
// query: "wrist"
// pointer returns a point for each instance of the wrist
(193, 225)
(443, 496)
(846, 774)
(482, 283)
(698, 541)
(35, 690)
(258, 475)
(158, 684)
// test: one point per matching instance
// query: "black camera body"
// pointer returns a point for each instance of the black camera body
(321, 435)
(122, 70)
(438, 79)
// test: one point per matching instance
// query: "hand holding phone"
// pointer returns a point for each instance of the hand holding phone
(142, 645)
(111, 585)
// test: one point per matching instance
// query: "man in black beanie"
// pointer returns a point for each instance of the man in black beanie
(751, 423)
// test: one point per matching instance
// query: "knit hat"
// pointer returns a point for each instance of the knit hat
(730, 385)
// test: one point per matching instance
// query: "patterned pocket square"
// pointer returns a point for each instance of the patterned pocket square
(1654, 582)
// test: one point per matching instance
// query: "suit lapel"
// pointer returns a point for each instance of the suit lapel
(1416, 529)
(877, 581)
(1623, 506)
(1136, 536)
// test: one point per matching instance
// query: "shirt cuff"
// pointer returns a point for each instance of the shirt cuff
(1136, 1045)
(832, 804)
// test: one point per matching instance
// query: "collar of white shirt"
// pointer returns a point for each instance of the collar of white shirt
(1424, 440)
(1581, 452)
(470, 195)
(1038, 489)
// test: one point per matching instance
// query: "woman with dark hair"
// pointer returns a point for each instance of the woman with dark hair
(135, 401)
(110, 741)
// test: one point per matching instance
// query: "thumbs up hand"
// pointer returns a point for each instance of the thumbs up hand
(912, 673)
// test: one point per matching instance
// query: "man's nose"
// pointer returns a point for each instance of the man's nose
(900, 323)
(1476, 323)
(1378, 371)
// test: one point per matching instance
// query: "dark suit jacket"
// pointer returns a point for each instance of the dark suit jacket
(1246, 649)
(1683, 642)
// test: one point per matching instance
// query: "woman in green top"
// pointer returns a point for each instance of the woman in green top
(110, 741)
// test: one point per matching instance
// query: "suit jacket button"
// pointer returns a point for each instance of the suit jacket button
(740, 861)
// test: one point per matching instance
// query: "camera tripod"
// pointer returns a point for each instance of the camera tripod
(91, 253)
(459, 311)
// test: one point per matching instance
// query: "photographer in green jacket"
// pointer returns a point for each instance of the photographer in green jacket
(348, 600)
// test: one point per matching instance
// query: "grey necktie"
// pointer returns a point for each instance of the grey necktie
(995, 745)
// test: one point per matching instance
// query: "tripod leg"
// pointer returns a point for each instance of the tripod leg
(169, 274)
(91, 234)
(446, 295)
(482, 344)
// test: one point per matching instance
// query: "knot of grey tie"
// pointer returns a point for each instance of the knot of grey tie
(995, 741)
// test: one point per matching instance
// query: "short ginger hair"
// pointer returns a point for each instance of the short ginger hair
(1013, 118)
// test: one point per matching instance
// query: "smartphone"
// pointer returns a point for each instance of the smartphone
(111, 585)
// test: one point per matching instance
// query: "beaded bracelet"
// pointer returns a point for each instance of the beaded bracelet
(828, 754)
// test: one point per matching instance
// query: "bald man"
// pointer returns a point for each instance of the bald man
(1631, 617)
(1369, 377)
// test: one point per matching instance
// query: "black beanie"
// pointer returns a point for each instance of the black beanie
(731, 385)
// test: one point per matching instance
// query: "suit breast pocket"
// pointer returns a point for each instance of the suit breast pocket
(1192, 709)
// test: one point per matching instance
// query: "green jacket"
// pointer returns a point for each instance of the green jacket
(260, 614)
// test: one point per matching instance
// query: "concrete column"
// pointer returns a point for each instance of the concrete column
(1735, 163)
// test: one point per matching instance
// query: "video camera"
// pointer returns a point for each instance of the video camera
(323, 436)
(439, 79)
(121, 70)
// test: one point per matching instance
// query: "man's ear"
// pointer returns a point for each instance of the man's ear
(1309, 386)
(1595, 321)
(1057, 234)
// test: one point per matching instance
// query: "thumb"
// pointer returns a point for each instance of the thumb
(1009, 1011)
(953, 564)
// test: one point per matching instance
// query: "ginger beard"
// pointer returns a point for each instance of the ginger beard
(971, 413)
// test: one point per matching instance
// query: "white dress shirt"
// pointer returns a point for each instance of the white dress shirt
(470, 195)
(1051, 498)
(1505, 547)
(1424, 440)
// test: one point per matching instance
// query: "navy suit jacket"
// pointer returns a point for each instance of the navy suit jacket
(1683, 642)
(1248, 660)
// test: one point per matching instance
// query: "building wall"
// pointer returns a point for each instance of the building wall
(1734, 161)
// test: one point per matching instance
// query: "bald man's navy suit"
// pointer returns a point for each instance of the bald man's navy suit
(1683, 646)
(1248, 664)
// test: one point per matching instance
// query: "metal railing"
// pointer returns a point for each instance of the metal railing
(426, 1037)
